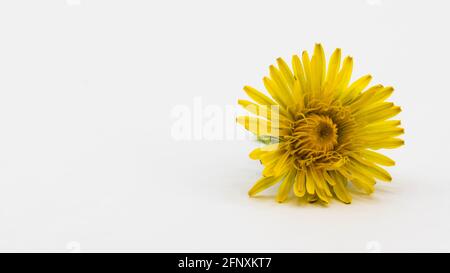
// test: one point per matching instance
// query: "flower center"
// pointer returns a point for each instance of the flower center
(315, 133)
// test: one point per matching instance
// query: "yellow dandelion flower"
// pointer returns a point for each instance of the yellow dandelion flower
(321, 130)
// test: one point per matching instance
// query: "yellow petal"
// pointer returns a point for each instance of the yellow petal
(367, 188)
(322, 195)
(260, 127)
(377, 158)
(299, 186)
(258, 96)
(373, 95)
(355, 88)
(297, 94)
(309, 182)
(321, 187)
(269, 169)
(299, 72)
(320, 53)
(358, 178)
(369, 169)
(275, 92)
(286, 186)
(281, 85)
(307, 70)
(286, 72)
(255, 154)
(385, 125)
(317, 69)
(270, 156)
(324, 183)
(263, 183)
(330, 180)
(381, 135)
(281, 164)
(269, 112)
(384, 94)
(333, 68)
(344, 76)
(359, 174)
(265, 152)
(389, 143)
(340, 189)
(382, 112)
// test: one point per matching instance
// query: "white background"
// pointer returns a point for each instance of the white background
(88, 161)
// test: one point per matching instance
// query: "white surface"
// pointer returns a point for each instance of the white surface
(88, 162)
